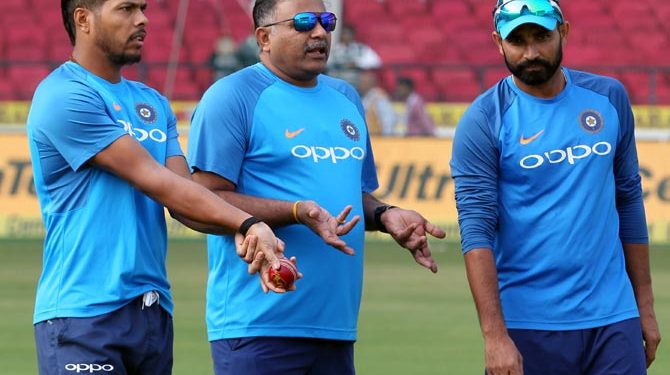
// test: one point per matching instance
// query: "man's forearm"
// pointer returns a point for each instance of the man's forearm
(274, 212)
(483, 280)
(637, 266)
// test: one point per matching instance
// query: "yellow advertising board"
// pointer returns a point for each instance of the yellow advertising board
(413, 173)
(444, 114)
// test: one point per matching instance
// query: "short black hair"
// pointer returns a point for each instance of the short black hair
(67, 8)
(263, 10)
(405, 81)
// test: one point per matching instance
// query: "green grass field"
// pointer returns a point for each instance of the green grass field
(412, 322)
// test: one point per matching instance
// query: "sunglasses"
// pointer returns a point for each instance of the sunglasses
(306, 21)
(512, 9)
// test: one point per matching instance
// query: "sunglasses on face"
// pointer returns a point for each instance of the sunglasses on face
(512, 9)
(306, 21)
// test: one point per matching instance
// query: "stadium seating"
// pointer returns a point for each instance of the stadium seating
(441, 43)
(25, 78)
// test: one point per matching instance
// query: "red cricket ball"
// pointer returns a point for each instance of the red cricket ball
(284, 276)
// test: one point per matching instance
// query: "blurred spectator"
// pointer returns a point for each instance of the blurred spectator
(416, 118)
(247, 52)
(224, 59)
(349, 56)
(379, 113)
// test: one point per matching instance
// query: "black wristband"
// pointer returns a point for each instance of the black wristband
(378, 217)
(246, 224)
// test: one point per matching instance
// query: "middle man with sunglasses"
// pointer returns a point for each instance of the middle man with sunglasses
(274, 139)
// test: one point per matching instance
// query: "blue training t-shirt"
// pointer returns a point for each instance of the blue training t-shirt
(552, 186)
(105, 240)
(279, 141)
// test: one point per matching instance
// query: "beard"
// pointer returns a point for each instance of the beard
(106, 44)
(536, 77)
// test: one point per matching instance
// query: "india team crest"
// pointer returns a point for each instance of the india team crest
(350, 130)
(145, 112)
(591, 121)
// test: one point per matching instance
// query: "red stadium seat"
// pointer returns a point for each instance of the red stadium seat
(452, 9)
(239, 27)
(380, 33)
(133, 72)
(482, 55)
(158, 46)
(429, 91)
(637, 84)
(606, 35)
(199, 53)
(625, 11)
(363, 10)
(576, 54)
(396, 53)
(186, 91)
(491, 76)
(184, 82)
(58, 45)
(24, 34)
(582, 9)
(422, 35)
(652, 47)
(404, 8)
(201, 35)
(204, 77)
(460, 85)
(387, 77)
(25, 78)
(20, 27)
(25, 52)
(24, 44)
(159, 19)
(12, 7)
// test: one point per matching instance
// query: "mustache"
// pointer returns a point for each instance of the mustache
(541, 62)
(316, 45)
(138, 34)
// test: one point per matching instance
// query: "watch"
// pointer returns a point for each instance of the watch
(378, 217)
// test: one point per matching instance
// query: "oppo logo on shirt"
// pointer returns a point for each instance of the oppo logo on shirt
(570, 155)
(142, 135)
(331, 154)
(88, 368)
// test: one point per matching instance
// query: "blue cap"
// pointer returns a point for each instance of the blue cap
(510, 14)
(505, 28)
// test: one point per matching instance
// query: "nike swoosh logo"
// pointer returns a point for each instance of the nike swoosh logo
(525, 141)
(290, 135)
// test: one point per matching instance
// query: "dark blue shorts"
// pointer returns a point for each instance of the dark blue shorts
(616, 349)
(134, 339)
(282, 356)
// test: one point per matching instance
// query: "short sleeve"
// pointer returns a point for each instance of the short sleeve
(219, 130)
(173, 146)
(74, 121)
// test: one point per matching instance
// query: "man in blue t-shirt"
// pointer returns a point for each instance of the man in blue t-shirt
(106, 159)
(290, 145)
(550, 211)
